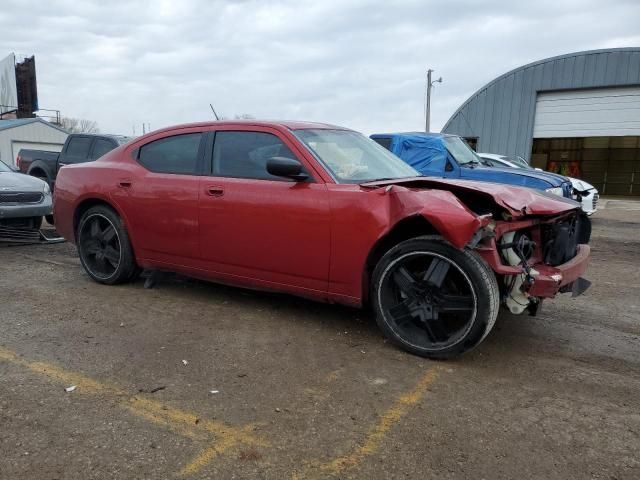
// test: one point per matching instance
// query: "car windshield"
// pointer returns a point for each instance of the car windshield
(517, 160)
(461, 151)
(4, 167)
(352, 157)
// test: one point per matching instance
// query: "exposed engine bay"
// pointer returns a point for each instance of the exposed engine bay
(553, 244)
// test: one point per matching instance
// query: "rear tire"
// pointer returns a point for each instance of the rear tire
(104, 246)
(432, 299)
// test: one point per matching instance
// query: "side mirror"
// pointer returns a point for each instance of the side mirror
(286, 167)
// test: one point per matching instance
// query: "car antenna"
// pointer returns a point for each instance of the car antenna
(214, 112)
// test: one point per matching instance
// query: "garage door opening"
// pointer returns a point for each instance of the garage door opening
(611, 164)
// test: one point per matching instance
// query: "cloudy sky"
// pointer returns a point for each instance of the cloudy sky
(350, 62)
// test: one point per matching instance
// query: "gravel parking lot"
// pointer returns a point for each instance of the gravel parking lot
(196, 380)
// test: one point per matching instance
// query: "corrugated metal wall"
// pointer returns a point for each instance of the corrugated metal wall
(501, 114)
(35, 134)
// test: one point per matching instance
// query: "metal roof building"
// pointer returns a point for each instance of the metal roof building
(28, 133)
(577, 114)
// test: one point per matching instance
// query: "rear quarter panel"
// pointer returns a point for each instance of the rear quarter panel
(88, 181)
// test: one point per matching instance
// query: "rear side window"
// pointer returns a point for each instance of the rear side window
(177, 154)
(100, 147)
(79, 147)
(245, 154)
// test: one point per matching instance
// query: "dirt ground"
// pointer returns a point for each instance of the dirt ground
(196, 380)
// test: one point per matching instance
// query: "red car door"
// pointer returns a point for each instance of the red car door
(162, 197)
(259, 229)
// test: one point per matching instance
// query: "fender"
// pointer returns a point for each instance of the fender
(440, 208)
(40, 165)
(111, 202)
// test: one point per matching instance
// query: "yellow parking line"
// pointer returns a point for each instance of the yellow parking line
(219, 436)
(372, 441)
(85, 385)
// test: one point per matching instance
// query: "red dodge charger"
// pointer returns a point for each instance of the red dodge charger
(326, 213)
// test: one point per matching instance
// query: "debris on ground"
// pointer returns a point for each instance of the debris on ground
(70, 389)
(153, 390)
(184, 362)
(214, 391)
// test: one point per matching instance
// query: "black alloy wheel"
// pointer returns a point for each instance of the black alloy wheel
(100, 246)
(433, 299)
(104, 247)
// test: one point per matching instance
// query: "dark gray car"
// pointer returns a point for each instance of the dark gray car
(24, 200)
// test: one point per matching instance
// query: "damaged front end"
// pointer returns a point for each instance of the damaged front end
(536, 243)
(536, 258)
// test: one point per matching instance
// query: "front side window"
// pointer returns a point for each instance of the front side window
(177, 154)
(79, 147)
(245, 154)
(352, 157)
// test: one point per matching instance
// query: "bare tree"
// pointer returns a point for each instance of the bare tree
(78, 125)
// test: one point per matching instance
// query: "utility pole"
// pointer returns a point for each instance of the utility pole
(427, 123)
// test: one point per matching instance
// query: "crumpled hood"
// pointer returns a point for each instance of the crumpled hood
(19, 182)
(580, 184)
(519, 201)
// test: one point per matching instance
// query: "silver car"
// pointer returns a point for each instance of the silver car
(24, 200)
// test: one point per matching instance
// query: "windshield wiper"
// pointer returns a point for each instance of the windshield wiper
(367, 183)
(386, 179)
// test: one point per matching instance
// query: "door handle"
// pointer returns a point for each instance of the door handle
(124, 184)
(213, 191)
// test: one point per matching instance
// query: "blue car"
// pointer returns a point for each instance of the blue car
(448, 156)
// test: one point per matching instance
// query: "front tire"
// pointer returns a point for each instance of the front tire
(104, 247)
(432, 299)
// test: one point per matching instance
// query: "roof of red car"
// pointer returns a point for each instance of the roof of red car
(290, 124)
